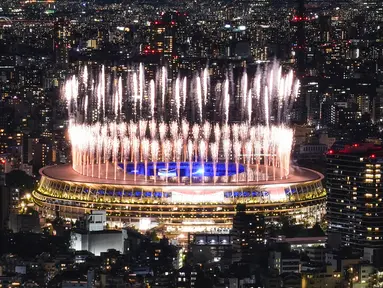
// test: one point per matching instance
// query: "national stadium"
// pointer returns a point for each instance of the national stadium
(154, 168)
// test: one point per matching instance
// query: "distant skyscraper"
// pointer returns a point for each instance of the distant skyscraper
(5, 196)
(354, 201)
(43, 154)
(311, 89)
(5, 200)
(300, 48)
(163, 43)
(298, 20)
(61, 42)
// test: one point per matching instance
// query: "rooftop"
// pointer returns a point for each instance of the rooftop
(66, 173)
(366, 149)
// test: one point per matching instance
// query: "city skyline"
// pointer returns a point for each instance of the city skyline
(180, 144)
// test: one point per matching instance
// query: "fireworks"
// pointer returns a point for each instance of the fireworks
(102, 133)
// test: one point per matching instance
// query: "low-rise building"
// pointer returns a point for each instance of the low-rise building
(326, 277)
(284, 262)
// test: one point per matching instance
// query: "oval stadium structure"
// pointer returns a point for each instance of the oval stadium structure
(178, 205)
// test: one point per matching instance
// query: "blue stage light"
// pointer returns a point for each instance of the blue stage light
(197, 169)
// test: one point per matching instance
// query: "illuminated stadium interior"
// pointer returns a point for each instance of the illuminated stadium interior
(184, 168)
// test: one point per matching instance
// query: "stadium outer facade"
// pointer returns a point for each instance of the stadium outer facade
(179, 207)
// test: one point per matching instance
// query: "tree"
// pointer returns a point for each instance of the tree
(152, 235)
(203, 256)
(19, 179)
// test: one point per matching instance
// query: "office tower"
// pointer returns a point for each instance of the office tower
(354, 203)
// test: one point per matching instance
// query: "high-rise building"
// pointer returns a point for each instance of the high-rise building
(3, 169)
(248, 232)
(43, 154)
(5, 195)
(311, 89)
(162, 38)
(61, 42)
(338, 114)
(354, 194)
(299, 20)
(5, 199)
